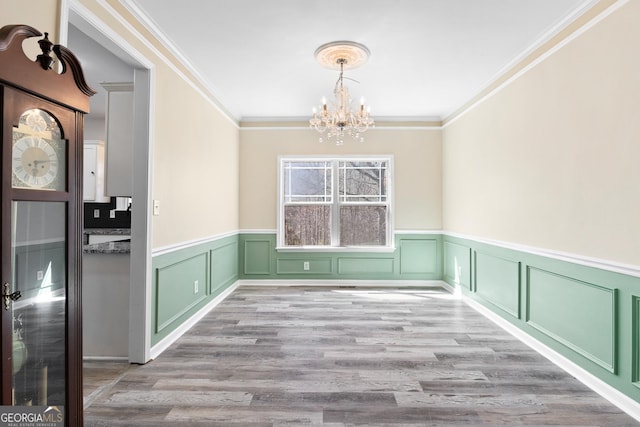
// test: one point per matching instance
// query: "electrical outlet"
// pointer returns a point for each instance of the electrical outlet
(305, 266)
(112, 213)
(195, 286)
(39, 275)
(96, 213)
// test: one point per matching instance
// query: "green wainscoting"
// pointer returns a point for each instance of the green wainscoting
(590, 316)
(224, 265)
(581, 315)
(497, 280)
(419, 256)
(635, 315)
(294, 266)
(257, 257)
(458, 260)
(185, 280)
(416, 257)
(177, 293)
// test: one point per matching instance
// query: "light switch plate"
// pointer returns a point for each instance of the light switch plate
(156, 207)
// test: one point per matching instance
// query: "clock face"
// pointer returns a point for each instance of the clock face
(35, 162)
(38, 156)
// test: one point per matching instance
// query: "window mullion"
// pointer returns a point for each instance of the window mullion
(380, 179)
(335, 206)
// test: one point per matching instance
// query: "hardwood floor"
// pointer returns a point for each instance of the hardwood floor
(339, 357)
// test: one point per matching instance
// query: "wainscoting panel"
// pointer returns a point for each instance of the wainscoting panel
(497, 280)
(224, 267)
(635, 340)
(457, 264)
(578, 314)
(179, 287)
(365, 266)
(297, 266)
(257, 256)
(418, 256)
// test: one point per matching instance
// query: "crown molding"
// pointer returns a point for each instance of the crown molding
(303, 123)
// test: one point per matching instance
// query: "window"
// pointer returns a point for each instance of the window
(335, 203)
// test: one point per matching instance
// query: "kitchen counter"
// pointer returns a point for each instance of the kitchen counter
(117, 247)
(113, 245)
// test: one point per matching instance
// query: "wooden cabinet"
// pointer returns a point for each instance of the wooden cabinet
(119, 138)
(94, 172)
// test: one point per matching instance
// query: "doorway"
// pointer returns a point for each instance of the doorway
(79, 21)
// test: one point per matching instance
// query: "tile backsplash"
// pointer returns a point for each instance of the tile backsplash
(99, 215)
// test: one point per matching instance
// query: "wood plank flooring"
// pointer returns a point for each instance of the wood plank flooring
(295, 356)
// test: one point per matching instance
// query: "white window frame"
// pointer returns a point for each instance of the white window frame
(336, 203)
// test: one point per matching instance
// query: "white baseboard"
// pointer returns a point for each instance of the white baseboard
(157, 349)
(342, 283)
(619, 399)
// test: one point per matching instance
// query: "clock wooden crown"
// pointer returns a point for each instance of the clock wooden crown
(69, 88)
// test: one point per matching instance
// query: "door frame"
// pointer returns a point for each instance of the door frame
(71, 11)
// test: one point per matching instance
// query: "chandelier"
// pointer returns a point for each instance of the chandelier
(339, 120)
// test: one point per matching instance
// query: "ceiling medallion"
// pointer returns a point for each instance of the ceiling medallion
(336, 122)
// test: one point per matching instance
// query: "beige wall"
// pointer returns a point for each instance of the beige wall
(551, 160)
(195, 173)
(417, 160)
(41, 15)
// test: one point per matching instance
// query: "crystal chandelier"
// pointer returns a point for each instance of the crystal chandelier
(339, 121)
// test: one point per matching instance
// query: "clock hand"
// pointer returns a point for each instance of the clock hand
(34, 171)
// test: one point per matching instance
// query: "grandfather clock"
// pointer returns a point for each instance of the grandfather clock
(41, 220)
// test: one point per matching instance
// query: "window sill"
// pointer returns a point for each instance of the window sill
(361, 249)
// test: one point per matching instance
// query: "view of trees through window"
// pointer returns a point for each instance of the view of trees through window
(337, 202)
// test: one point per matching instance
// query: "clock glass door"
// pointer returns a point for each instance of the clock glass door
(38, 246)
(36, 240)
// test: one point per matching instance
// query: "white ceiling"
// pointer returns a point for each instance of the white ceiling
(428, 57)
